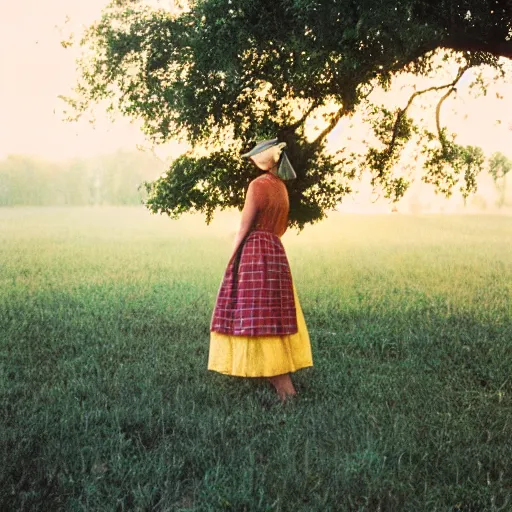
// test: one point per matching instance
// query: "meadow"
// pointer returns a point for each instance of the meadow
(107, 404)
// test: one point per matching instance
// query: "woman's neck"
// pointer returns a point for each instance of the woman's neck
(274, 170)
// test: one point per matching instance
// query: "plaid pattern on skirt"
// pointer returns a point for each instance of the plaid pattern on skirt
(256, 295)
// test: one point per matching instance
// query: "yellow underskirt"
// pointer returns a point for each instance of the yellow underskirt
(261, 356)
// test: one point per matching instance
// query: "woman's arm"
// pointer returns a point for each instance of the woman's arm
(249, 215)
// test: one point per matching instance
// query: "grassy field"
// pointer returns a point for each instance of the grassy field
(107, 404)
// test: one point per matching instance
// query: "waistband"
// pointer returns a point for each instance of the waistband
(263, 232)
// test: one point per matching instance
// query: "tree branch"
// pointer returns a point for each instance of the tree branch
(332, 123)
(452, 89)
(499, 48)
(402, 112)
(438, 113)
(292, 127)
(335, 119)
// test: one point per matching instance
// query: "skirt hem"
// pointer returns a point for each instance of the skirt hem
(232, 374)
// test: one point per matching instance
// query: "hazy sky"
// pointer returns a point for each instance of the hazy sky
(35, 69)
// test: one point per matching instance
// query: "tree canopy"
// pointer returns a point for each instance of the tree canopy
(222, 74)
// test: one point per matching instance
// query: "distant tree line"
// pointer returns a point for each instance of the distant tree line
(115, 179)
(499, 167)
(103, 180)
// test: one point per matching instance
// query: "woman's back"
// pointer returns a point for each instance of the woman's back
(273, 204)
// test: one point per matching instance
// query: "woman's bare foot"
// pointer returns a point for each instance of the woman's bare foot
(284, 386)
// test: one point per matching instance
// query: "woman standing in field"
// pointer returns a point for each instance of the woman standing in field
(257, 327)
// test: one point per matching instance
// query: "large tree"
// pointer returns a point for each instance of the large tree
(221, 74)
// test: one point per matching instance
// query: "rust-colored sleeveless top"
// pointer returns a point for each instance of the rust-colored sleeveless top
(256, 294)
(271, 197)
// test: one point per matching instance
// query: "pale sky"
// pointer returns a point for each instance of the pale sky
(35, 69)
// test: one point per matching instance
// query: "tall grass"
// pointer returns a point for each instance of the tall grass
(107, 404)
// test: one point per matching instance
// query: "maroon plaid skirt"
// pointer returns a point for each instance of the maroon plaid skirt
(256, 295)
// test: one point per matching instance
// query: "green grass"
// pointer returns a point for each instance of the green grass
(107, 404)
